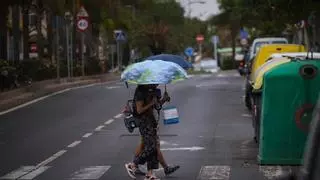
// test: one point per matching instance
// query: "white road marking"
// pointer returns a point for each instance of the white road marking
(52, 158)
(270, 172)
(33, 101)
(214, 172)
(118, 116)
(85, 86)
(109, 121)
(87, 135)
(74, 144)
(236, 75)
(222, 75)
(246, 115)
(93, 172)
(25, 172)
(99, 128)
(193, 148)
(18, 173)
(112, 87)
(50, 95)
(206, 75)
(35, 173)
(167, 143)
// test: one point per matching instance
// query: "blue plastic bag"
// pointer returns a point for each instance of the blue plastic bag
(171, 115)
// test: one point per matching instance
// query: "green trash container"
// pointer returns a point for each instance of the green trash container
(289, 94)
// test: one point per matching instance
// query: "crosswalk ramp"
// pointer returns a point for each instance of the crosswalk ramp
(206, 172)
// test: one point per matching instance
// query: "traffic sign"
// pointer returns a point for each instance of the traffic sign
(244, 42)
(215, 39)
(82, 12)
(120, 35)
(82, 19)
(82, 24)
(244, 34)
(189, 51)
(200, 38)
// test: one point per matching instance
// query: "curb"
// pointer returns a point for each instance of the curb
(25, 95)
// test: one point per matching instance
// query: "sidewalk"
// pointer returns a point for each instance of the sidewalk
(22, 95)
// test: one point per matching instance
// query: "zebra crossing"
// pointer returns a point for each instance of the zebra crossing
(218, 172)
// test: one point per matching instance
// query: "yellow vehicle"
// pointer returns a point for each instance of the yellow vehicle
(267, 50)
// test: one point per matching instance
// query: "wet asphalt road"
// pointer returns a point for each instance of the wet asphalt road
(79, 134)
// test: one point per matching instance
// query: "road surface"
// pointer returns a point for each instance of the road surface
(79, 134)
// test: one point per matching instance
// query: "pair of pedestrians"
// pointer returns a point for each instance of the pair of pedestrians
(148, 151)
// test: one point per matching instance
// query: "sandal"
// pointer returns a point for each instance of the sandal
(131, 169)
(152, 177)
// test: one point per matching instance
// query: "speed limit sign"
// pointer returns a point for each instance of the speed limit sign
(82, 19)
(82, 24)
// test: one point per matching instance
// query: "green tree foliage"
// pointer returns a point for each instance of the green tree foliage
(268, 16)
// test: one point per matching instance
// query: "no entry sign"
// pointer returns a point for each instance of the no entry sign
(200, 38)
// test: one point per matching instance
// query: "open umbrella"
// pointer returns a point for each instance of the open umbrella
(172, 58)
(153, 72)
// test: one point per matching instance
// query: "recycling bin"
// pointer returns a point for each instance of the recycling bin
(289, 94)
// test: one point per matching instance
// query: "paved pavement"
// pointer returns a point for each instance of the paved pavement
(80, 134)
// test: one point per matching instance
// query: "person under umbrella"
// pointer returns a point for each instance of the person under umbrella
(148, 75)
(167, 169)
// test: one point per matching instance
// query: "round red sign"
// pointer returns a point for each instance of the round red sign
(200, 38)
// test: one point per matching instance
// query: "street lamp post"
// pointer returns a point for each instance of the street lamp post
(68, 17)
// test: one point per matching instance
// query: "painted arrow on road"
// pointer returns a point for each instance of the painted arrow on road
(193, 148)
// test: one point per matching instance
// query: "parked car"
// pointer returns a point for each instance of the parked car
(258, 42)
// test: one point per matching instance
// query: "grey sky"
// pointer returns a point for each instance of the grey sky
(202, 11)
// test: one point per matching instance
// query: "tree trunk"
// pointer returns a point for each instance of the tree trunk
(3, 32)
(16, 33)
(25, 32)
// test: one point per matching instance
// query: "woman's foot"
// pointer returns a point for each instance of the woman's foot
(151, 177)
(170, 169)
(131, 169)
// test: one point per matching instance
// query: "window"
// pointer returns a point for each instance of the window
(279, 42)
(258, 45)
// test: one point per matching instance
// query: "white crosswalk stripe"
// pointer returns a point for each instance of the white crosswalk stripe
(25, 172)
(270, 172)
(214, 172)
(93, 172)
(206, 172)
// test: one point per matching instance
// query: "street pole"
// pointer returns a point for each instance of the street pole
(58, 49)
(82, 53)
(112, 57)
(215, 50)
(71, 51)
(68, 60)
(73, 17)
(118, 55)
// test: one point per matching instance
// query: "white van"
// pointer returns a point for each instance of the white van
(257, 43)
